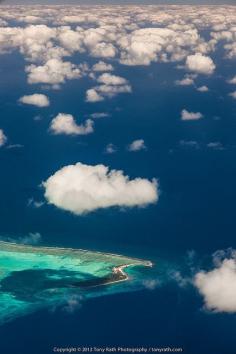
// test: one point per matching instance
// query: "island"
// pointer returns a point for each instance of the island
(33, 277)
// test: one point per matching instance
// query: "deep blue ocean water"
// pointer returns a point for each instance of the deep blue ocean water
(196, 210)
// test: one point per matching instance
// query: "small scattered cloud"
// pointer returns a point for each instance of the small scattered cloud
(215, 145)
(182, 281)
(189, 143)
(35, 203)
(37, 118)
(93, 96)
(114, 80)
(186, 115)
(232, 81)
(36, 99)
(32, 238)
(233, 95)
(3, 138)
(137, 145)
(99, 115)
(110, 149)
(151, 284)
(66, 124)
(72, 304)
(186, 81)
(203, 89)
(14, 146)
(102, 66)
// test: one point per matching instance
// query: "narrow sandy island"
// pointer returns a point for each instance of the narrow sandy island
(118, 275)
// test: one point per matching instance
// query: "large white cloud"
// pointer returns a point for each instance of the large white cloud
(66, 124)
(36, 99)
(83, 188)
(218, 286)
(200, 64)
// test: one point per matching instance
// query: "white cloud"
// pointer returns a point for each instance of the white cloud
(186, 81)
(71, 40)
(108, 79)
(138, 35)
(54, 71)
(200, 64)
(31, 239)
(83, 188)
(93, 96)
(151, 284)
(73, 303)
(35, 203)
(103, 50)
(110, 149)
(3, 138)
(113, 90)
(186, 115)
(233, 94)
(102, 66)
(110, 86)
(97, 115)
(137, 145)
(203, 89)
(146, 45)
(218, 286)
(36, 99)
(232, 81)
(15, 146)
(65, 124)
(216, 145)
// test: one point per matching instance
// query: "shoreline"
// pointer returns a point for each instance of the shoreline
(52, 249)
(118, 275)
(116, 272)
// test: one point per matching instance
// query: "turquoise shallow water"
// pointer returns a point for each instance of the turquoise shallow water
(37, 277)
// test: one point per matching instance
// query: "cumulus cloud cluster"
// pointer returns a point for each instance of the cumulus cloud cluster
(218, 286)
(83, 188)
(110, 86)
(138, 35)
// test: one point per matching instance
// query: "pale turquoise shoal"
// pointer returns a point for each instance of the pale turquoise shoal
(37, 277)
